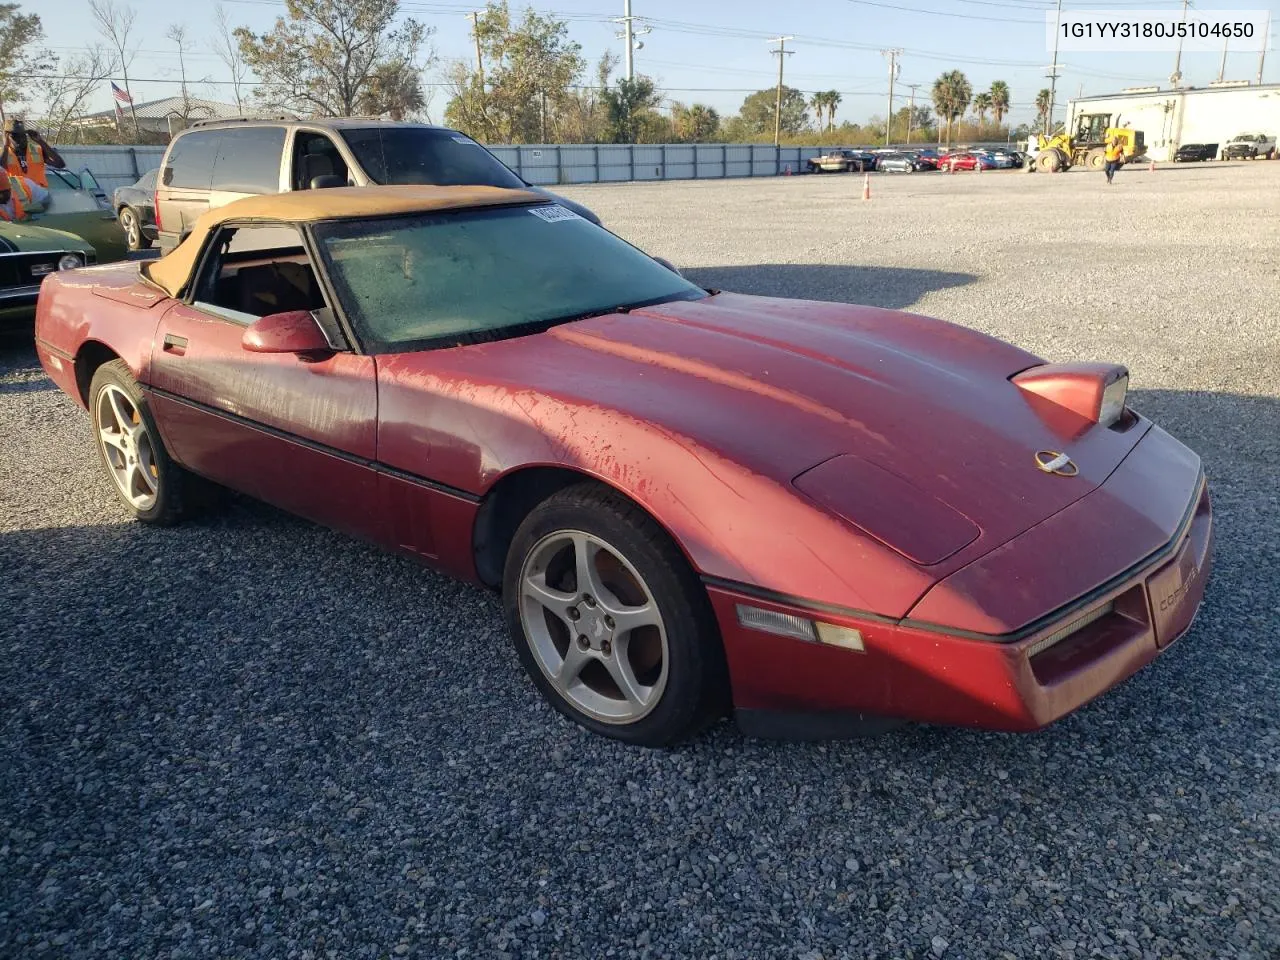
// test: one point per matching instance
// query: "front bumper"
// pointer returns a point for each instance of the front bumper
(18, 304)
(1020, 681)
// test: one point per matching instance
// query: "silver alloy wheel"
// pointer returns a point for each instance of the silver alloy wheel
(132, 230)
(593, 626)
(126, 447)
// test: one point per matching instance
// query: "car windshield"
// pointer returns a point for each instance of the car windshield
(469, 276)
(428, 155)
(63, 180)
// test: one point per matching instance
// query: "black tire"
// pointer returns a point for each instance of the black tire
(696, 686)
(131, 223)
(171, 480)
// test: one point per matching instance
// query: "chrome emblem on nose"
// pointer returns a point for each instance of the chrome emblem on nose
(1056, 463)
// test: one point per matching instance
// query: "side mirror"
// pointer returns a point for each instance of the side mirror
(327, 180)
(295, 331)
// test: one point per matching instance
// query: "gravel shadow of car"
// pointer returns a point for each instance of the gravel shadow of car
(894, 288)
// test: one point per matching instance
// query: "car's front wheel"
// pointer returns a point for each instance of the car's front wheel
(609, 620)
(132, 226)
(145, 479)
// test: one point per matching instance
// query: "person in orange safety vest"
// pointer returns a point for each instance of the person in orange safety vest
(26, 154)
(11, 206)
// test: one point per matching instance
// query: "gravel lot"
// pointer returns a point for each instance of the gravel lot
(251, 737)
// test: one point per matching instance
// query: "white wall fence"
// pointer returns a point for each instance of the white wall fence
(544, 165)
(604, 163)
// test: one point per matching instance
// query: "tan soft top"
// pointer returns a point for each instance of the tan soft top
(171, 272)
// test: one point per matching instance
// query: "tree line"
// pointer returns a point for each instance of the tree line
(528, 82)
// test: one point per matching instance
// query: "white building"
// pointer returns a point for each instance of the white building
(1172, 117)
(166, 116)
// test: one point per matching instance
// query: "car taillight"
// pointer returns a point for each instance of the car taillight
(1096, 391)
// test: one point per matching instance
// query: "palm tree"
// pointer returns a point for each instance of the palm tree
(833, 101)
(702, 122)
(982, 104)
(951, 95)
(999, 100)
(1042, 108)
(825, 102)
(819, 103)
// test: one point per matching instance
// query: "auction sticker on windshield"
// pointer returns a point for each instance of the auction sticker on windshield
(554, 213)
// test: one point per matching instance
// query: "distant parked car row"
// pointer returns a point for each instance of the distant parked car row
(887, 160)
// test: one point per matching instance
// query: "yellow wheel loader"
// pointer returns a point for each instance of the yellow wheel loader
(1088, 146)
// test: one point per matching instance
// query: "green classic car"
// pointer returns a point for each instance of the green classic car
(78, 205)
(29, 253)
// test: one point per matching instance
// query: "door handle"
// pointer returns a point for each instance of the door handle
(175, 345)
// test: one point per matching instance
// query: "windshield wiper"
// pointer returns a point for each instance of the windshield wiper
(626, 307)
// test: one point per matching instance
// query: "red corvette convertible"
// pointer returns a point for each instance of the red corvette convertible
(817, 515)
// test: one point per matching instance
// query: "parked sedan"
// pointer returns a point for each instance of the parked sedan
(954, 162)
(135, 209)
(900, 163)
(923, 522)
(1195, 152)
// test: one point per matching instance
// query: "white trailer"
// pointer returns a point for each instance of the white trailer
(1170, 118)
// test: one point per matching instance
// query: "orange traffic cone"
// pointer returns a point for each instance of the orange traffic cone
(1153, 167)
(866, 186)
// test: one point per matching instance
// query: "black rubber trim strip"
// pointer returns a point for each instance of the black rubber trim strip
(56, 351)
(314, 445)
(1152, 559)
(786, 600)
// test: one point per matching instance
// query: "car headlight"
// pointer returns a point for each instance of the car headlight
(69, 261)
(1095, 391)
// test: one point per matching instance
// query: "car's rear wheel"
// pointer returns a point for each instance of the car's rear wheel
(131, 223)
(148, 483)
(609, 620)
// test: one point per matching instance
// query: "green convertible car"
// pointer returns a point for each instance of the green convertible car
(29, 253)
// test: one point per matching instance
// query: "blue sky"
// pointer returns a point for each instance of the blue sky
(715, 51)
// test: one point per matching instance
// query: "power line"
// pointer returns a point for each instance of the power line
(941, 13)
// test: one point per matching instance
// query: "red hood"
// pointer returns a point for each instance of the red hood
(779, 386)
(782, 385)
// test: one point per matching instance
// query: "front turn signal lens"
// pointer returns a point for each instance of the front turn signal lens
(799, 628)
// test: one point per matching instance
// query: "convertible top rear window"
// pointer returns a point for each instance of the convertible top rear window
(467, 276)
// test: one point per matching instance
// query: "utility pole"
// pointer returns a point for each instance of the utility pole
(1222, 70)
(781, 53)
(1262, 54)
(911, 110)
(475, 32)
(1176, 77)
(631, 39)
(893, 56)
(628, 36)
(1053, 74)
